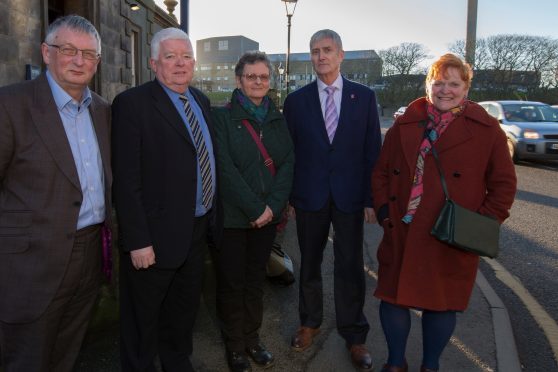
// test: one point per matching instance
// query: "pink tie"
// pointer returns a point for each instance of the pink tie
(330, 113)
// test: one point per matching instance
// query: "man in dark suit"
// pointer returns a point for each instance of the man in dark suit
(55, 182)
(165, 194)
(335, 130)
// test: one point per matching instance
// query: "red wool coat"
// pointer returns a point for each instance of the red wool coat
(415, 269)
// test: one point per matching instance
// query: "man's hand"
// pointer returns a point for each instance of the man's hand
(369, 215)
(291, 211)
(143, 258)
(264, 219)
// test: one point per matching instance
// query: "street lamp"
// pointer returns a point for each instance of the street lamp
(290, 6)
(281, 70)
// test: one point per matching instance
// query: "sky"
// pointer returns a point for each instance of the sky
(369, 24)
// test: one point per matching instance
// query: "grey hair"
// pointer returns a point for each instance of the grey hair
(74, 23)
(250, 58)
(166, 34)
(326, 34)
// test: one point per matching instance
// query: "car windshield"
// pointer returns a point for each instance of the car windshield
(530, 113)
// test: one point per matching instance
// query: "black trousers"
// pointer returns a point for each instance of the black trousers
(158, 308)
(52, 342)
(349, 282)
(240, 266)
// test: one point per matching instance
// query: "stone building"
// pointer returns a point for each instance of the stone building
(215, 61)
(125, 30)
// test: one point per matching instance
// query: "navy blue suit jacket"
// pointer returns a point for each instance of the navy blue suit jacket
(340, 170)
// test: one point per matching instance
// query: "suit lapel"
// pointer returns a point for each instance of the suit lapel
(46, 119)
(348, 98)
(103, 137)
(315, 112)
(167, 109)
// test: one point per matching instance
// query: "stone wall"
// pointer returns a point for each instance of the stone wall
(21, 35)
(22, 31)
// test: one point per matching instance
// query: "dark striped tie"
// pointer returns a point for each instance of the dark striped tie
(203, 154)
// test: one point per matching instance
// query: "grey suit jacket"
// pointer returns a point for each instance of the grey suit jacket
(40, 196)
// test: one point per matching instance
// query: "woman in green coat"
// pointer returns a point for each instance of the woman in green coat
(255, 185)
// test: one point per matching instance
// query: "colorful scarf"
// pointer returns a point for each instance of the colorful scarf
(258, 112)
(437, 124)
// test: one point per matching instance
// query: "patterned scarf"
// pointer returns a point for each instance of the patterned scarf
(437, 124)
(258, 112)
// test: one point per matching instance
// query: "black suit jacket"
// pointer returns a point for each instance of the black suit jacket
(155, 173)
(40, 195)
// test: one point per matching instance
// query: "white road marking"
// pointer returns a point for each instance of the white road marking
(543, 319)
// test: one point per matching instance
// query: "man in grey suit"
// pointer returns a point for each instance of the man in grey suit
(55, 182)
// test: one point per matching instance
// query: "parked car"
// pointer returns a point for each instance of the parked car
(400, 111)
(531, 128)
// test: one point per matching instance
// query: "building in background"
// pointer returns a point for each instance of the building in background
(217, 56)
(215, 61)
(362, 66)
(125, 33)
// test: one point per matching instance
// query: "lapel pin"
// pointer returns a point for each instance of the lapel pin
(352, 96)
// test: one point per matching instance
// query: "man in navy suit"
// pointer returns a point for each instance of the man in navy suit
(165, 194)
(336, 133)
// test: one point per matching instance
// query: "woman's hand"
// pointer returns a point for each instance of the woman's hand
(264, 219)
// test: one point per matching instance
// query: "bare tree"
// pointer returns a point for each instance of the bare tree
(482, 57)
(404, 59)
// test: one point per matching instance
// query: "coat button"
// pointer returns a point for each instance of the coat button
(392, 198)
(396, 171)
(456, 174)
(77, 204)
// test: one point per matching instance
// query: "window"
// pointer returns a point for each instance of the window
(218, 67)
(225, 67)
(207, 46)
(205, 68)
(223, 45)
(135, 56)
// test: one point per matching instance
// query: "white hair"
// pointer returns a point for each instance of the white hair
(166, 34)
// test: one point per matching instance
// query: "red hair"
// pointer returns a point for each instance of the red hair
(440, 67)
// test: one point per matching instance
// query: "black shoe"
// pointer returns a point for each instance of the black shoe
(238, 362)
(260, 355)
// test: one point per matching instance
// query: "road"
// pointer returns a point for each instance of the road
(530, 254)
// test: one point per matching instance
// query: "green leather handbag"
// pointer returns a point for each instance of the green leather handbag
(464, 228)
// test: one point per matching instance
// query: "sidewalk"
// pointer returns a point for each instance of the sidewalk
(483, 340)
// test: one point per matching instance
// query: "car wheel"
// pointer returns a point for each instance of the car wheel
(511, 149)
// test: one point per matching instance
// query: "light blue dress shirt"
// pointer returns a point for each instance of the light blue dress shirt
(78, 126)
(175, 98)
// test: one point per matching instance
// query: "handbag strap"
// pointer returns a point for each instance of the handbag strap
(268, 161)
(438, 165)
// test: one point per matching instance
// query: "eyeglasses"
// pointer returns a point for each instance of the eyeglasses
(264, 78)
(69, 50)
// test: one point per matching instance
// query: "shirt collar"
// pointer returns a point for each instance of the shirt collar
(174, 96)
(62, 98)
(338, 83)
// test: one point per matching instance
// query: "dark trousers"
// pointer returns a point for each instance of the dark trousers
(240, 266)
(52, 342)
(158, 308)
(349, 283)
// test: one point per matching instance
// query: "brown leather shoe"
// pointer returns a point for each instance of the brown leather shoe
(303, 338)
(390, 368)
(360, 357)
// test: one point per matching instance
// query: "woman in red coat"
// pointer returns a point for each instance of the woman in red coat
(415, 269)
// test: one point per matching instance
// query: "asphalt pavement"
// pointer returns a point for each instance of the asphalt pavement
(483, 339)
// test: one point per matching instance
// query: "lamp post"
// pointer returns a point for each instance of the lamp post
(290, 6)
(281, 70)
